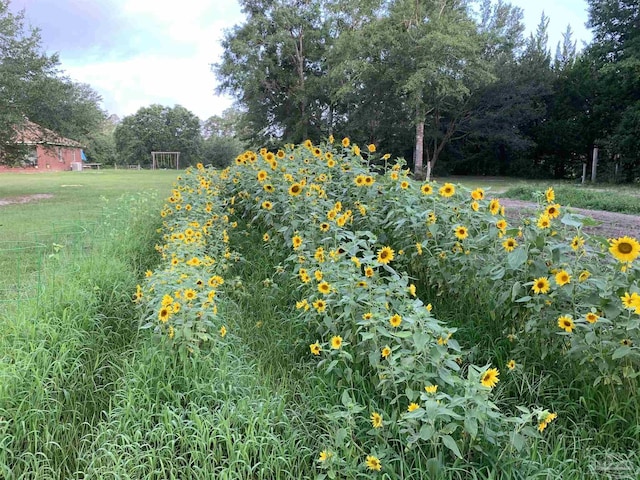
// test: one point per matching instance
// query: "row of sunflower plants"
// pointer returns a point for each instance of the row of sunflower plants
(354, 234)
(180, 299)
(369, 324)
(547, 280)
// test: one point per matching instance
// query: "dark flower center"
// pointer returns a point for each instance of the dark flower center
(625, 247)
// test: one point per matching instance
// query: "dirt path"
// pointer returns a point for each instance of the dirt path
(24, 199)
(612, 225)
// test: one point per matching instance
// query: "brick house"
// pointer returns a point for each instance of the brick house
(47, 151)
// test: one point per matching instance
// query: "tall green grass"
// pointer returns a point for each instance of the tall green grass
(62, 349)
(84, 394)
(611, 200)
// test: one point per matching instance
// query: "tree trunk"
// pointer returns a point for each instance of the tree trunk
(417, 168)
(594, 165)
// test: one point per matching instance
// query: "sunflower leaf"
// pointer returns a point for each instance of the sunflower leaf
(451, 444)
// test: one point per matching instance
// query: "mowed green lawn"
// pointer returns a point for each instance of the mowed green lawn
(77, 197)
(34, 228)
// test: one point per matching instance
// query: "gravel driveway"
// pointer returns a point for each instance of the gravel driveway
(612, 225)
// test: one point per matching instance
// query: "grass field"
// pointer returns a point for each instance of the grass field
(85, 394)
(74, 205)
(77, 197)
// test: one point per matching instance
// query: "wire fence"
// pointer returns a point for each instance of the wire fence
(33, 262)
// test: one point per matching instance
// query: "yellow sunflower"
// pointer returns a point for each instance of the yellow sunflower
(511, 364)
(295, 189)
(562, 278)
(565, 322)
(320, 305)
(324, 288)
(461, 232)
(164, 314)
(631, 302)
(376, 420)
(541, 285)
(296, 241)
(625, 249)
(346, 142)
(577, 242)
(477, 194)
(592, 317)
(544, 221)
(315, 348)
(490, 378)
(550, 194)
(395, 320)
(336, 342)
(509, 244)
(385, 255)
(386, 351)
(553, 210)
(412, 407)
(494, 206)
(324, 456)
(447, 190)
(584, 275)
(373, 463)
(431, 389)
(426, 189)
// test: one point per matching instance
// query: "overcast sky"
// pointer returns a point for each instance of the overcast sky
(139, 52)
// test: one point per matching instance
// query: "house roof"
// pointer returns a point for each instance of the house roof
(33, 134)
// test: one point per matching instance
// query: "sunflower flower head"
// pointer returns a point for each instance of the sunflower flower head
(490, 378)
(541, 285)
(373, 463)
(447, 190)
(376, 420)
(625, 249)
(386, 255)
(565, 322)
(562, 278)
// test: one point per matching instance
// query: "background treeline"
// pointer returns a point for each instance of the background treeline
(33, 86)
(450, 85)
(455, 79)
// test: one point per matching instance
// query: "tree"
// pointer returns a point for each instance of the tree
(158, 128)
(101, 144)
(229, 124)
(22, 64)
(438, 53)
(615, 54)
(66, 107)
(270, 64)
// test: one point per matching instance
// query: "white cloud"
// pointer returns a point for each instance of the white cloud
(168, 48)
(180, 76)
(140, 81)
